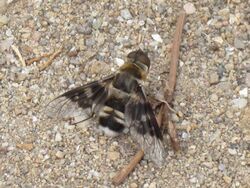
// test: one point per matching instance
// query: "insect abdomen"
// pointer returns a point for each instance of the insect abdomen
(111, 117)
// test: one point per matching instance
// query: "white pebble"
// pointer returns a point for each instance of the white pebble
(221, 167)
(157, 38)
(189, 8)
(218, 39)
(185, 123)
(184, 135)
(193, 180)
(214, 97)
(126, 14)
(59, 154)
(239, 103)
(244, 92)
(34, 118)
(5, 144)
(58, 137)
(153, 185)
(119, 61)
(3, 20)
(232, 151)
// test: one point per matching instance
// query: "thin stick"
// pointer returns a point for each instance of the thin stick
(49, 62)
(121, 176)
(173, 136)
(36, 59)
(17, 52)
(170, 86)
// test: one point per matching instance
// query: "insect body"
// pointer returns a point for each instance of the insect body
(120, 105)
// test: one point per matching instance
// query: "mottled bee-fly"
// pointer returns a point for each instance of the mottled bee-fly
(119, 104)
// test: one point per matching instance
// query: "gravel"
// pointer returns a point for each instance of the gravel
(211, 97)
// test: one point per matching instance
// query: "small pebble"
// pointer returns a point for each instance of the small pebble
(175, 118)
(89, 42)
(239, 43)
(126, 14)
(184, 135)
(97, 23)
(221, 167)
(192, 149)
(113, 155)
(59, 154)
(73, 52)
(157, 38)
(218, 40)
(119, 61)
(214, 97)
(189, 8)
(193, 180)
(1, 76)
(239, 103)
(58, 137)
(232, 151)
(21, 76)
(229, 67)
(185, 123)
(133, 185)
(229, 114)
(3, 20)
(214, 78)
(215, 136)
(208, 164)
(224, 12)
(93, 173)
(244, 92)
(153, 185)
(227, 179)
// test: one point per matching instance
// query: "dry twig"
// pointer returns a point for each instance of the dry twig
(121, 176)
(170, 86)
(17, 52)
(49, 62)
(36, 59)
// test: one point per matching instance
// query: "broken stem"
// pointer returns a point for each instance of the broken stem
(19, 55)
(49, 62)
(121, 176)
(36, 59)
(170, 86)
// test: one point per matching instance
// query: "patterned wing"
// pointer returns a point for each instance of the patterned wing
(144, 129)
(82, 102)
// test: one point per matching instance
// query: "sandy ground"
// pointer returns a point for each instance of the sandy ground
(211, 98)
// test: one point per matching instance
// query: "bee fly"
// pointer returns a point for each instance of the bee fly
(119, 104)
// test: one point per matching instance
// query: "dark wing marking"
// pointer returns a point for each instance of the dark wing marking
(144, 129)
(81, 102)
